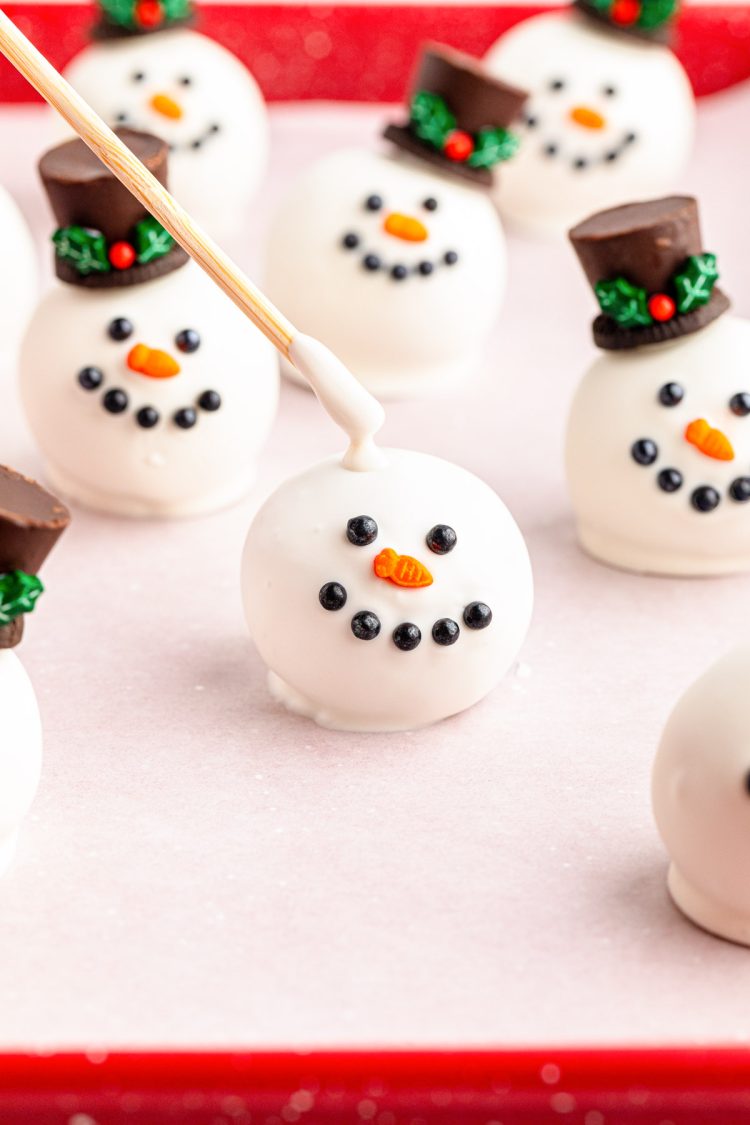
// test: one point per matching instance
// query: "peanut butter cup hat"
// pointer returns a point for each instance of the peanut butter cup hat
(646, 19)
(31, 522)
(460, 116)
(121, 19)
(649, 272)
(105, 238)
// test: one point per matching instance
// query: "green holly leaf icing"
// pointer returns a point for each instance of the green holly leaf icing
(120, 12)
(84, 249)
(654, 13)
(492, 146)
(431, 119)
(152, 241)
(695, 283)
(18, 594)
(176, 9)
(624, 302)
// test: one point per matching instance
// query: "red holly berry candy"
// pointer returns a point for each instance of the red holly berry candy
(149, 13)
(458, 146)
(625, 12)
(121, 255)
(661, 306)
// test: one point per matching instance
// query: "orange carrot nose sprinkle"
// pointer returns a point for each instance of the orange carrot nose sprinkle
(405, 227)
(402, 570)
(152, 362)
(711, 442)
(166, 106)
(589, 118)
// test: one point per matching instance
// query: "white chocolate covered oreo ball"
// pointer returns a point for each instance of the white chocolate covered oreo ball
(701, 799)
(610, 117)
(148, 392)
(164, 78)
(385, 599)
(398, 261)
(658, 438)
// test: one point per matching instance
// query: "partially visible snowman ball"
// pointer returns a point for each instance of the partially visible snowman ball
(18, 285)
(20, 751)
(388, 599)
(190, 91)
(399, 268)
(610, 118)
(701, 798)
(148, 400)
(646, 494)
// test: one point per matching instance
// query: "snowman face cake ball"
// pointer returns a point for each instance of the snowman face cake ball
(658, 441)
(610, 115)
(386, 598)
(149, 394)
(148, 71)
(31, 521)
(701, 798)
(398, 260)
(18, 286)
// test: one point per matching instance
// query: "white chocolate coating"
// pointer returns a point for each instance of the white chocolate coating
(20, 751)
(624, 517)
(542, 189)
(19, 282)
(213, 172)
(701, 798)
(405, 338)
(298, 543)
(107, 461)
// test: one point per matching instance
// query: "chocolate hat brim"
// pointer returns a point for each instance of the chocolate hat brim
(661, 35)
(122, 279)
(403, 137)
(612, 337)
(104, 29)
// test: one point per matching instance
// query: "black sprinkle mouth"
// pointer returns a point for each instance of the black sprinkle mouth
(198, 141)
(398, 271)
(578, 162)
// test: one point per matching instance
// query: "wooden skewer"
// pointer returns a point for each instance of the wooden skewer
(155, 198)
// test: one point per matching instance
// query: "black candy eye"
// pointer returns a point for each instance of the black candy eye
(430, 204)
(373, 203)
(739, 404)
(185, 80)
(445, 632)
(188, 340)
(441, 539)
(609, 91)
(365, 625)
(332, 596)
(138, 76)
(406, 636)
(90, 378)
(557, 84)
(670, 394)
(361, 531)
(644, 452)
(477, 615)
(120, 328)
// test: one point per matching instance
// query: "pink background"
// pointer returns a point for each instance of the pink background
(203, 869)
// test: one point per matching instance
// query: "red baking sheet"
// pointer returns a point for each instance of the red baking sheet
(365, 52)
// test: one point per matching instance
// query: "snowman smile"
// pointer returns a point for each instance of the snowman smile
(398, 271)
(552, 148)
(192, 144)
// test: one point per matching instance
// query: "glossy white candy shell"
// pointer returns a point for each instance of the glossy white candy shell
(216, 181)
(108, 462)
(20, 751)
(701, 799)
(404, 338)
(653, 99)
(19, 282)
(623, 517)
(298, 542)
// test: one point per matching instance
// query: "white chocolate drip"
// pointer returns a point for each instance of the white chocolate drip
(351, 407)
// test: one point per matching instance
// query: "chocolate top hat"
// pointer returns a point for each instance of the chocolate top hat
(31, 522)
(120, 19)
(651, 276)
(459, 116)
(646, 19)
(106, 238)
